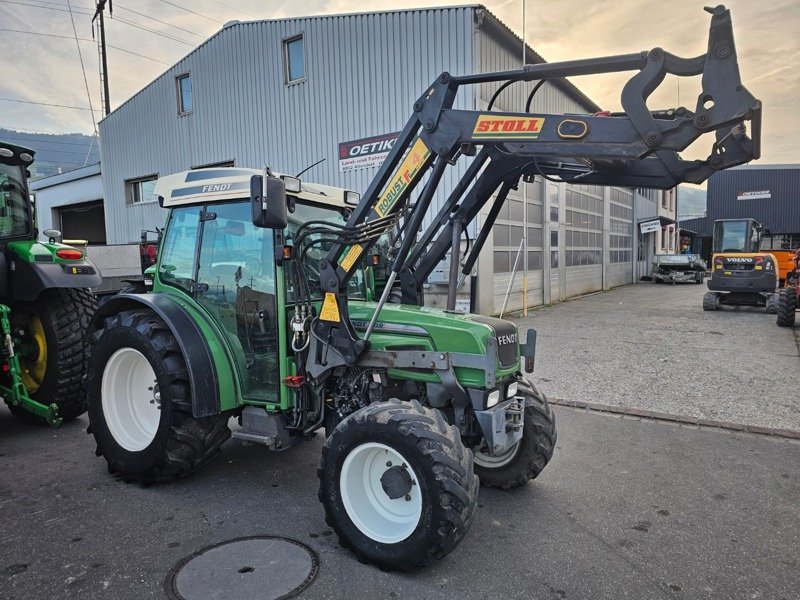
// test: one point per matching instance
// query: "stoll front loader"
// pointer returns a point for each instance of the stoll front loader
(263, 306)
(45, 306)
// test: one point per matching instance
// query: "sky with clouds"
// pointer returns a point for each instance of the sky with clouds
(43, 65)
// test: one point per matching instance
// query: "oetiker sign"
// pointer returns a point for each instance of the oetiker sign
(366, 152)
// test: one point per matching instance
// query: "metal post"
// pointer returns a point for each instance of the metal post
(510, 283)
(455, 256)
(99, 10)
(524, 201)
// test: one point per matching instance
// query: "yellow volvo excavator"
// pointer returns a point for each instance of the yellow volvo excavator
(741, 273)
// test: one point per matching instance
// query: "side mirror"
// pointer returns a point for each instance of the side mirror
(53, 235)
(268, 202)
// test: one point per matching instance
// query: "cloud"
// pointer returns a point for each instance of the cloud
(46, 69)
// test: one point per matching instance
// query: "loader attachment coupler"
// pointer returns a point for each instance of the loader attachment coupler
(636, 148)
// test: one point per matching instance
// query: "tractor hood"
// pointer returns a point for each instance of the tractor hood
(444, 331)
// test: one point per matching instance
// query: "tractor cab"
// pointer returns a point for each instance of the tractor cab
(16, 218)
(213, 253)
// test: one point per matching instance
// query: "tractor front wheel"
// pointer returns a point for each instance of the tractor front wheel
(397, 485)
(49, 340)
(787, 305)
(140, 407)
(526, 459)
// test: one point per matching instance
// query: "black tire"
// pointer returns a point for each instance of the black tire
(771, 305)
(64, 315)
(446, 482)
(181, 443)
(711, 301)
(658, 280)
(698, 279)
(787, 305)
(531, 454)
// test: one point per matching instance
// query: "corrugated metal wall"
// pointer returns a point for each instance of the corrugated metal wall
(780, 213)
(363, 73)
(550, 277)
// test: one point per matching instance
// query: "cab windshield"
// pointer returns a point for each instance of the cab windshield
(14, 202)
(319, 249)
(735, 236)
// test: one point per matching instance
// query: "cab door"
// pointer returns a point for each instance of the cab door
(236, 286)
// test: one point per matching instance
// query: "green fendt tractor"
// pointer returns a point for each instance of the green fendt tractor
(265, 306)
(45, 305)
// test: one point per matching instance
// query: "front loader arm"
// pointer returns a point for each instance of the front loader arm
(635, 148)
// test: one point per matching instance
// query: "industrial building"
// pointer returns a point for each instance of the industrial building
(770, 194)
(290, 92)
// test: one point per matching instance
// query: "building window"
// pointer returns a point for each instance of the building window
(294, 58)
(141, 191)
(184, 88)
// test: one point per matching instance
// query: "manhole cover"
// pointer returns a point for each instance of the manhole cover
(258, 568)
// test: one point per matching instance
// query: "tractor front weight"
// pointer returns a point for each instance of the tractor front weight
(17, 393)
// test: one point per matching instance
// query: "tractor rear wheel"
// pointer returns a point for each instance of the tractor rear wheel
(526, 459)
(51, 332)
(397, 485)
(140, 407)
(711, 301)
(787, 305)
(772, 303)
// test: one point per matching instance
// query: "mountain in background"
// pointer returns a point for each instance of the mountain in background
(55, 153)
(691, 202)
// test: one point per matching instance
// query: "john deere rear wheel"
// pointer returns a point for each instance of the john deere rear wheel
(50, 343)
(526, 459)
(787, 305)
(140, 406)
(397, 485)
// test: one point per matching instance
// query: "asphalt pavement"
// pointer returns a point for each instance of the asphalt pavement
(626, 509)
(653, 347)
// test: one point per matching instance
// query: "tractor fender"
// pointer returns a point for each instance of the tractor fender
(202, 371)
(28, 280)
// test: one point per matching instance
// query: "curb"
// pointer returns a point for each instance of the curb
(672, 418)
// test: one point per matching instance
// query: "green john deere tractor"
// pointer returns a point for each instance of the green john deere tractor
(45, 305)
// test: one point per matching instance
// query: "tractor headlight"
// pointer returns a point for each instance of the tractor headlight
(493, 398)
(511, 390)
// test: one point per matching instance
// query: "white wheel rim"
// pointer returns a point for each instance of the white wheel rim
(130, 399)
(369, 507)
(482, 458)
